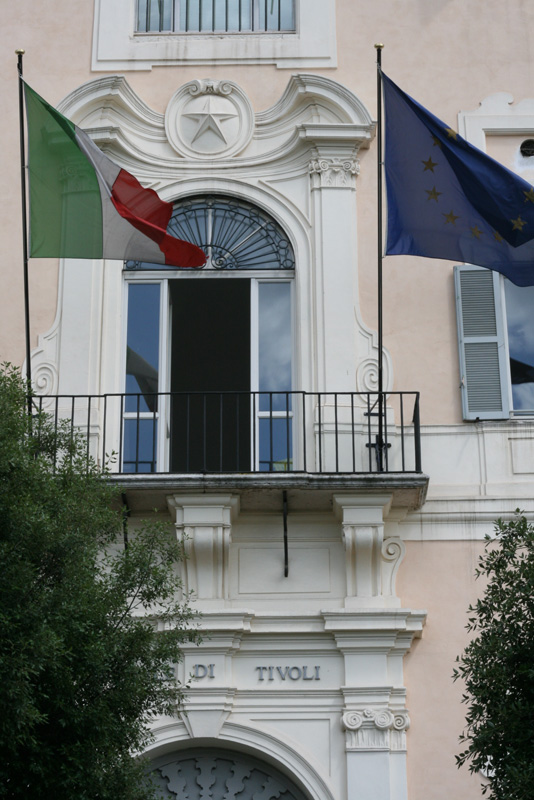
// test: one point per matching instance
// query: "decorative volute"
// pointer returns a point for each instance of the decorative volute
(372, 561)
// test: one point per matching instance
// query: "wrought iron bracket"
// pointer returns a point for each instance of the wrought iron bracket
(380, 447)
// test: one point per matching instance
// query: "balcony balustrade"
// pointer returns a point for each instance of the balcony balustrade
(245, 432)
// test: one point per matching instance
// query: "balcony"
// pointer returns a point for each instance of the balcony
(312, 444)
(246, 432)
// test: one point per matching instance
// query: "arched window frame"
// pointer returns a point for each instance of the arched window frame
(138, 273)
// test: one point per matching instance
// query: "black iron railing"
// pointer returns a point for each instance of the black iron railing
(244, 432)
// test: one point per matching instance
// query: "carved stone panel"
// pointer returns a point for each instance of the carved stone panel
(208, 118)
(217, 774)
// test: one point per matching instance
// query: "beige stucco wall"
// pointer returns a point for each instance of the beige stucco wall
(449, 55)
(438, 576)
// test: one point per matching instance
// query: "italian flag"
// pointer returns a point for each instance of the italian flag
(82, 205)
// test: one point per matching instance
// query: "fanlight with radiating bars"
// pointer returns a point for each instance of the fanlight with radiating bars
(233, 234)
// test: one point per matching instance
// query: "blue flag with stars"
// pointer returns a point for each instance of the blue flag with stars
(448, 199)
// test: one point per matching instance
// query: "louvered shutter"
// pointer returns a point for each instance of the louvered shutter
(483, 353)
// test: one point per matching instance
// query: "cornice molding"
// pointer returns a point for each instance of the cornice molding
(303, 88)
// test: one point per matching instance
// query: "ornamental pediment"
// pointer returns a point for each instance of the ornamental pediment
(209, 121)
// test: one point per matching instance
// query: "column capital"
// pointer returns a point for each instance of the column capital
(334, 172)
(376, 729)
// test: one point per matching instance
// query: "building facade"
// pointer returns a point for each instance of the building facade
(241, 400)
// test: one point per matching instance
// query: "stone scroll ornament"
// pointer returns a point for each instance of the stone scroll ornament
(371, 729)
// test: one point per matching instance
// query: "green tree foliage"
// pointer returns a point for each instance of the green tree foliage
(88, 630)
(498, 666)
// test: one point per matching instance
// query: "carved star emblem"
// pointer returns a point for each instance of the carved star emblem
(209, 120)
(430, 165)
(433, 194)
(450, 217)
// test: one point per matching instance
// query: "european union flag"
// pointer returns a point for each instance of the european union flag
(448, 199)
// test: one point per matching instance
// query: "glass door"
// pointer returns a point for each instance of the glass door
(274, 401)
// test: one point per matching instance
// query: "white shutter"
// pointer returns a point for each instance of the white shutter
(484, 367)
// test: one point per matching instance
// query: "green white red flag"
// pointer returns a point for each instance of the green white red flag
(82, 205)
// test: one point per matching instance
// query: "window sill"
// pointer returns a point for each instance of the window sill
(217, 34)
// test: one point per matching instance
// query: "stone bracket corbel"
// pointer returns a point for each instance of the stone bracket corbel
(203, 524)
(371, 561)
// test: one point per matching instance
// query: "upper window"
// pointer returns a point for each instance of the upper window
(215, 16)
(519, 305)
(496, 339)
(292, 34)
(496, 332)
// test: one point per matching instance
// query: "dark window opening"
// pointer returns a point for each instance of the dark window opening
(527, 148)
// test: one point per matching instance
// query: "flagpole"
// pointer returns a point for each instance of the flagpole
(19, 53)
(380, 445)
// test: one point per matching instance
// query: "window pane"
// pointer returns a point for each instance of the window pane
(276, 454)
(231, 20)
(167, 23)
(154, 15)
(272, 15)
(246, 15)
(142, 354)
(192, 11)
(220, 15)
(519, 305)
(224, 15)
(275, 345)
(287, 15)
(141, 15)
(206, 17)
(140, 445)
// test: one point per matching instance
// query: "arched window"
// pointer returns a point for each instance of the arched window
(212, 358)
(234, 234)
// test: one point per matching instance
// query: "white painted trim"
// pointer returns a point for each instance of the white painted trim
(249, 740)
(116, 45)
(497, 116)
